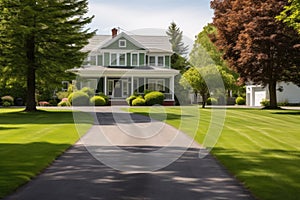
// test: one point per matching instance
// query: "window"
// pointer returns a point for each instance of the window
(122, 59)
(122, 43)
(134, 59)
(113, 59)
(160, 61)
(93, 60)
(152, 61)
(156, 85)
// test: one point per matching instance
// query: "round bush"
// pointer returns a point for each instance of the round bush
(63, 104)
(130, 99)
(240, 101)
(139, 102)
(97, 101)
(6, 104)
(153, 98)
(106, 98)
(211, 101)
(79, 99)
(90, 92)
(8, 99)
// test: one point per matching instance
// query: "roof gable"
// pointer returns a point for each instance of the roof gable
(130, 43)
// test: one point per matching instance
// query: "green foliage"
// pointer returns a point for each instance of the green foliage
(212, 101)
(97, 101)
(106, 98)
(64, 104)
(265, 102)
(79, 98)
(240, 101)
(6, 104)
(154, 98)
(90, 92)
(53, 102)
(60, 95)
(175, 38)
(8, 99)
(40, 40)
(179, 62)
(139, 102)
(291, 15)
(130, 99)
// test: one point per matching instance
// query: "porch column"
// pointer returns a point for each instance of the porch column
(132, 83)
(105, 85)
(172, 87)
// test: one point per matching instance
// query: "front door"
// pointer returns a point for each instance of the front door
(117, 89)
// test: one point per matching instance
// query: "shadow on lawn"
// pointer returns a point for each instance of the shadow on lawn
(287, 113)
(43, 117)
(77, 175)
(273, 173)
(20, 162)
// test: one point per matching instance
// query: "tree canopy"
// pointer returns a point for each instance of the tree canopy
(260, 48)
(175, 38)
(291, 14)
(40, 39)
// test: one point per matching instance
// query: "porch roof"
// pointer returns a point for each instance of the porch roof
(143, 71)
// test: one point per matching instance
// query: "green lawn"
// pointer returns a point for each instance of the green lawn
(29, 142)
(260, 147)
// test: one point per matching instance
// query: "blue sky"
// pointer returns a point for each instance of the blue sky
(129, 15)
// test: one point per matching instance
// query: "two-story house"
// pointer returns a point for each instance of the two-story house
(120, 65)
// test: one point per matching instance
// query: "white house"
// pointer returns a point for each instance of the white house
(286, 93)
(121, 64)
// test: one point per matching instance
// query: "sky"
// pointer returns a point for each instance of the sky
(130, 15)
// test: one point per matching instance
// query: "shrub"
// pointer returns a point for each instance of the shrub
(139, 102)
(130, 99)
(53, 102)
(240, 101)
(44, 103)
(155, 97)
(61, 95)
(8, 99)
(90, 92)
(64, 103)
(265, 102)
(211, 101)
(97, 101)
(6, 104)
(106, 98)
(79, 99)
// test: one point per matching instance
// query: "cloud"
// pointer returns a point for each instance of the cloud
(131, 15)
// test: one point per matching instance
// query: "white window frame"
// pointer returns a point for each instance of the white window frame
(156, 82)
(154, 60)
(118, 56)
(163, 61)
(137, 59)
(122, 45)
(111, 59)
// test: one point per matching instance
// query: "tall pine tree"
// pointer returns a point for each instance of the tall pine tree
(175, 36)
(42, 38)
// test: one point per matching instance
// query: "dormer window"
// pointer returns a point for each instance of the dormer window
(122, 43)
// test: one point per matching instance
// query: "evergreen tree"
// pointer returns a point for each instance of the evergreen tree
(175, 37)
(40, 39)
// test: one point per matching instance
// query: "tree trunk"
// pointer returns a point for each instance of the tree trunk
(203, 100)
(273, 95)
(30, 100)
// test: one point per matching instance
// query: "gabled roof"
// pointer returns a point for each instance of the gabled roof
(153, 44)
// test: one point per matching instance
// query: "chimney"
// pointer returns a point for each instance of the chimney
(114, 32)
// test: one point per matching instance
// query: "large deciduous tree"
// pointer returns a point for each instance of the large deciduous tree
(291, 14)
(40, 39)
(260, 48)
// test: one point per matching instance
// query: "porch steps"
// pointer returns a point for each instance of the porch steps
(118, 102)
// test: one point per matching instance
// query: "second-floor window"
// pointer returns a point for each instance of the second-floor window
(118, 59)
(134, 59)
(157, 61)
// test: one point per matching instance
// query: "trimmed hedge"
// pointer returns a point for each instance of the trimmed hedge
(240, 101)
(90, 92)
(106, 98)
(63, 104)
(139, 102)
(79, 99)
(154, 98)
(7, 101)
(130, 99)
(98, 101)
(211, 101)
